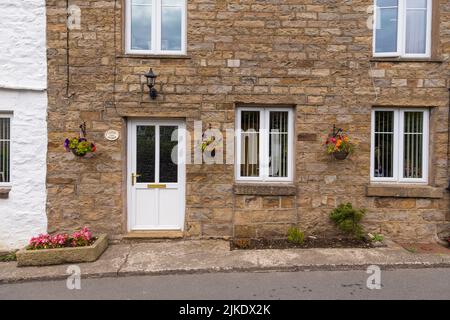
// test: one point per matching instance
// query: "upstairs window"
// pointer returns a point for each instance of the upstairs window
(155, 27)
(5, 149)
(402, 28)
(264, 144)
(399, 145)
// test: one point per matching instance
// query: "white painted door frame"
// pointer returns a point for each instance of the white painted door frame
(131, 167)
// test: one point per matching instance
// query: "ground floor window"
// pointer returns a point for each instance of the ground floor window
(399, 145)
(5, 149)
(264, 144)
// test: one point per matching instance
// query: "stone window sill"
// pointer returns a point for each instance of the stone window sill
(4, 192)
(403, 191)
(153, 56)
(430, 60)
(265, 189)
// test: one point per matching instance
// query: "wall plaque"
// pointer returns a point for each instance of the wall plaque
(112, 135)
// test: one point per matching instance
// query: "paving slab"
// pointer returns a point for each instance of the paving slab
(204, 256)
(209, 256)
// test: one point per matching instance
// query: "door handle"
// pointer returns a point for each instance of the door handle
(133, 178)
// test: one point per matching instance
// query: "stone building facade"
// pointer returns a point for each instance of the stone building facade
(313, 57)
(23, 122)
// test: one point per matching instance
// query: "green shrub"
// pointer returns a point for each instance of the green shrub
(347, 219)
(295, 235)
(8, 257)
(377, 237)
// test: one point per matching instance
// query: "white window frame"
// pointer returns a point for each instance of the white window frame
(401, 31)
(398, 148)
(156, 31)
(10, 117)
(264, 145)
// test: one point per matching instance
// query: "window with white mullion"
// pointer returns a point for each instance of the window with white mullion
(5, 150)
(399, 145)
(264, 144)
(402, 28)
(156, 26)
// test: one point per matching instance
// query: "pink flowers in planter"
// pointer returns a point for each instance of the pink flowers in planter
(77, 239)
(46, 241)
(81, 238)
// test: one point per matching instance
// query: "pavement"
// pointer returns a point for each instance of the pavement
(206, 256)
(431, 283)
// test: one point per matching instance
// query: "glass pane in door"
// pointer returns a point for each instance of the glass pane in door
(168, 154)
(145, 154)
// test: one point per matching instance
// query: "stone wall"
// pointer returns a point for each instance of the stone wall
(313, 55)
(23, 71)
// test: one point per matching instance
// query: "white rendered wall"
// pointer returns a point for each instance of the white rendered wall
(23, 62)
(23, 80)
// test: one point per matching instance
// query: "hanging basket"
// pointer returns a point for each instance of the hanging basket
(205, 143)
(340, 155)
(79, 146)
(338, 144)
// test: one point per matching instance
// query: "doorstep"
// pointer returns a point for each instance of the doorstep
(154, 234)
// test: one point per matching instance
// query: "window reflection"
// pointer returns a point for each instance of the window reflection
(171, 28)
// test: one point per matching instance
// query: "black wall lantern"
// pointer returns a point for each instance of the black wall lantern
(151, 80)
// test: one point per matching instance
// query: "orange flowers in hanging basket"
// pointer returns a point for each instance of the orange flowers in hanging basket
(339, 145)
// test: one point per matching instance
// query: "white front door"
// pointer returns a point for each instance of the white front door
(156, 174)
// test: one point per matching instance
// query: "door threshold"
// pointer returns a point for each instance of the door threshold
(154, 234)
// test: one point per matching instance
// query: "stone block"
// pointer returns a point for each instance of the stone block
(265, 190)
(271, 202)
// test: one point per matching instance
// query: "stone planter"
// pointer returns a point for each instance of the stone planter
(47, 257)
(340, 155)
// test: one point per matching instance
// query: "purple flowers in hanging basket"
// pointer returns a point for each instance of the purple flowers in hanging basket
(66, 145)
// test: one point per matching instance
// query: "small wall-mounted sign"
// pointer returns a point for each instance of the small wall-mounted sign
(112, 135)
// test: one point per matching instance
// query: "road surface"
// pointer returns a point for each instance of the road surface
(395, 284)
